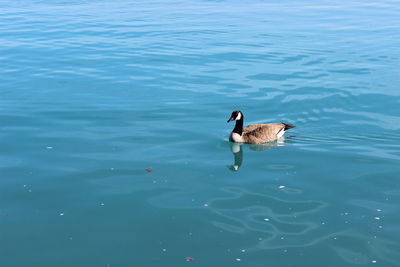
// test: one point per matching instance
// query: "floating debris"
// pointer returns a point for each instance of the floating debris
(243, 250)
(148, 170)
(49, 147)
(189, 259)
(62, 214)
(281, 186)
(205, 205)
(373, 261)
(379, 210)
(237, 259)
(377, 218)
(101, 204)
(266, 219)
(164, 249)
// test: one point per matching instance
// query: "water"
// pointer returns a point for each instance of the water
(95, 93)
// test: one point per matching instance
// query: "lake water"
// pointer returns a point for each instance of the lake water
(113, 133)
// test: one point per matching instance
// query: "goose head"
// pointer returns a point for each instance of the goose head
(236, 116)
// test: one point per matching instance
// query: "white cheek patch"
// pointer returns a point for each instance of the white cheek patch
(238, 117)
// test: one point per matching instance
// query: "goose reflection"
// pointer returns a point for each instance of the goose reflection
(237, 151)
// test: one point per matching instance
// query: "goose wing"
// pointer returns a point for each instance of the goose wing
(262, 133)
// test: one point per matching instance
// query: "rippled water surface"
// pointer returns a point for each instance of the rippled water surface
(113, 133)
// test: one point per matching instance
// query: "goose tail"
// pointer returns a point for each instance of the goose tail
(288, 126)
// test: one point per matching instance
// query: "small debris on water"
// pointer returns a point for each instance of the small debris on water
(101, 204)
(188, 258)
(49, 147)
(205, 205)
(281, 186)
(266, 219)
(243, 250)
(379, 210)
(377, 218)
(61, 213)
(164, 249)
(373, 261)
(148, 170)
(237, 259)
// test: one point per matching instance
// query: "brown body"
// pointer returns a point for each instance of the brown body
(263, 133)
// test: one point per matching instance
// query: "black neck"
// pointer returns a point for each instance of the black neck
(239, 126)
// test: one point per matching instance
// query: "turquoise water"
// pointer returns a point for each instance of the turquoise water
(95, 93)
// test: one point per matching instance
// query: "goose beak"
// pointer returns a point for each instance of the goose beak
(230, 119)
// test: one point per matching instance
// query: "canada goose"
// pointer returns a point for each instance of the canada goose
(256, 133)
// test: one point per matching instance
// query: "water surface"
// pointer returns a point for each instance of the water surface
(95, 93)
